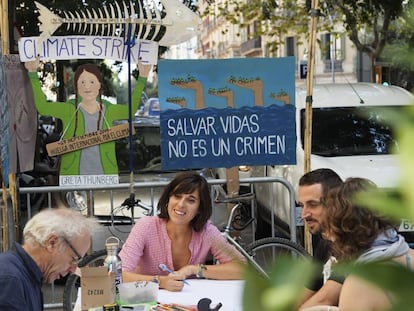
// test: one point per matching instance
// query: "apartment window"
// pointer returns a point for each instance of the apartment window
(251, 30)
(333, 46)
(333, 51)
(290, 46)
(243, 34)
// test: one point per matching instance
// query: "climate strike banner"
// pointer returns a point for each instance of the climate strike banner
(227, 112)
(87, 47)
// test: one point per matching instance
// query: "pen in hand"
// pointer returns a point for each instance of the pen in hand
(163, 267)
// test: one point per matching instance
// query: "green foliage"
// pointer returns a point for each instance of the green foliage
(393, 278)
(396, 203)
(280, 291)
(270, 18)
(399, 52)
(276, 294)
(367, 23)
(366, 13)
(374, 18)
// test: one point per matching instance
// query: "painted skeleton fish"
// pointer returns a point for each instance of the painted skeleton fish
(173, 25)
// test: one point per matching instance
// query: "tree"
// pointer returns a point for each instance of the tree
(367, 23)
(271, 18)
(279, 293)
(399, 51)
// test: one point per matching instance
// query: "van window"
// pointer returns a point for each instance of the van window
(350, 131)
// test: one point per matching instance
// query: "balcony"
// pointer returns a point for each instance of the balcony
(252, 46)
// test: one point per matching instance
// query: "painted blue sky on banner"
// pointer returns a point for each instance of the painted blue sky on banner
(227, 112)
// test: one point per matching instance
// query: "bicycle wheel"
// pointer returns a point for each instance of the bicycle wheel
(266, 251)
(70, 292)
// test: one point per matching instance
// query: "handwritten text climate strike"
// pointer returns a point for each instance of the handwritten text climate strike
(80, 47)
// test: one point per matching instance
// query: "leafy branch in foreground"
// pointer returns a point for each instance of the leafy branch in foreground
(280, 291)
(395, 279)
(277, 294)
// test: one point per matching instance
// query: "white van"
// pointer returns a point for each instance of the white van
(344, 140)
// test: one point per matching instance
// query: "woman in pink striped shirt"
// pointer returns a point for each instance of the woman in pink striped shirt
(180, 236)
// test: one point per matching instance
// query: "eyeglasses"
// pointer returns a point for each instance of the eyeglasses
(79, 257)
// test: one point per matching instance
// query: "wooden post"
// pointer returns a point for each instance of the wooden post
(4, 39)
(233, 183)
(308, 109)
(5, 50)
(4, 26)
(3, 207)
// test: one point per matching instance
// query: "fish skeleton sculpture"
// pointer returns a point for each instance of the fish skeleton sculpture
(146, 21)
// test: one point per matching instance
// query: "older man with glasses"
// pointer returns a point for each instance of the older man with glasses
(55, 240)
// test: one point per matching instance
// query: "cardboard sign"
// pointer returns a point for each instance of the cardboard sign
(97, 287)
(87, 140)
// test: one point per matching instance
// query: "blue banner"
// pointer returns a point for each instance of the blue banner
(224, 137)
(227, 112)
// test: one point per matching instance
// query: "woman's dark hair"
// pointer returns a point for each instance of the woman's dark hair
(186, 183)
(93, 69)
(354, 227)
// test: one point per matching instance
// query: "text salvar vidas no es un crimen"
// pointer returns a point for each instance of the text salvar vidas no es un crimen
(246, 138)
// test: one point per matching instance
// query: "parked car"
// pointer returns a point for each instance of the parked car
(151, 108)
(348, 135)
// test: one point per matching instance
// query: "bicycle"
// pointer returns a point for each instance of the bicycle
(261, 254)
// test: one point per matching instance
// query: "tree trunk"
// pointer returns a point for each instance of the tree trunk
(373, 75)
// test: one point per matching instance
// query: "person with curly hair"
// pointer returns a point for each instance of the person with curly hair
(362, 235)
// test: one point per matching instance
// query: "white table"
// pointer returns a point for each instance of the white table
(228, 293)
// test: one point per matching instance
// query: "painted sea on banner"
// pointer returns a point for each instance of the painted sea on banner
(227, 112)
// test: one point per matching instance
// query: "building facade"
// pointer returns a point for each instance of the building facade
(336, 58)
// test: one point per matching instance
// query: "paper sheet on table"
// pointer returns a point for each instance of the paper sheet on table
(78, 301)
(229, 293)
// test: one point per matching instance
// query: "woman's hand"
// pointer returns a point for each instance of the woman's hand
(32, 66)
(172, 282)
(188, 271)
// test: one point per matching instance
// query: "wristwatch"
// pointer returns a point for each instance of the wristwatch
(199, 274)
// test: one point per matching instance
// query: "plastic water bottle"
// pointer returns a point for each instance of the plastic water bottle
(113, 261)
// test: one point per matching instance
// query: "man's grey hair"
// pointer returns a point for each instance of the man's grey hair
(62, 222)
